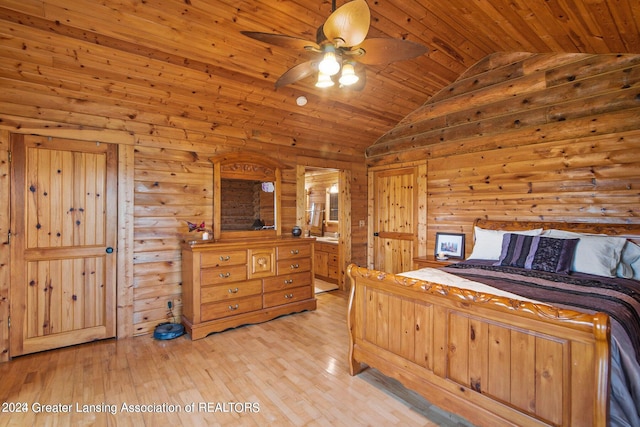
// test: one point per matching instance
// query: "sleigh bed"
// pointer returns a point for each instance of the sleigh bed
(550, 342)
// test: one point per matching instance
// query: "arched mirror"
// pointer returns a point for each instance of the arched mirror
(246, 199)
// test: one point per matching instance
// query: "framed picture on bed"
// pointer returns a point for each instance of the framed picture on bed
(449, 245)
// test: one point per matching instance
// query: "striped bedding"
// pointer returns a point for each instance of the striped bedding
(619, 298)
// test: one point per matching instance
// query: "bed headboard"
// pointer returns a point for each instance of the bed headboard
(629, 231)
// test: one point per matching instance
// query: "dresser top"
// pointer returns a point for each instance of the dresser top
(202, 245)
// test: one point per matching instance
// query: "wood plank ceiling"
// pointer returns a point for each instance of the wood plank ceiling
(186, 62)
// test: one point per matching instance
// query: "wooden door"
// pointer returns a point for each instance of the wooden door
(64, 225)
(394, 214)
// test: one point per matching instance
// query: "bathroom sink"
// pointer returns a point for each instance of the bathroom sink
(327, 239)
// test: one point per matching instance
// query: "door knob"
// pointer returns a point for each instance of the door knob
(109, 250)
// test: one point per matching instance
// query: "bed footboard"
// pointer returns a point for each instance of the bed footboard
(492, 360)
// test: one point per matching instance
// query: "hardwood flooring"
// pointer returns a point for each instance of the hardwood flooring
(291, 371)
(324, 286)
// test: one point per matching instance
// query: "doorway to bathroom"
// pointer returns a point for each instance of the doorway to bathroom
(325, 215)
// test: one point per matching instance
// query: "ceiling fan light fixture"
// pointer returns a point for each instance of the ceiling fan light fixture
(324, 80)
(348, 76)
(329, 64)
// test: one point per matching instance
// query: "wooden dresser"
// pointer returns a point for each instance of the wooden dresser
(235, 283)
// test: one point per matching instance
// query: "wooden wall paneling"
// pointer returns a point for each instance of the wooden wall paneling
(155, 20)
(370, 219)
(157, 122)
(566, 151)
(289, 200)
(5, 253)
(126, 249)
(422, 210)
(301, 202)
(128, 77)
(346, 226)
(551, 103)
(171, 187)
(556, 93)
(359, 213)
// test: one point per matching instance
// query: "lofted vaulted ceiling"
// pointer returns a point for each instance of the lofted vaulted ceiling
(184, 63)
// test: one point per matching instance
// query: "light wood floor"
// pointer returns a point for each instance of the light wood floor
(291, 371)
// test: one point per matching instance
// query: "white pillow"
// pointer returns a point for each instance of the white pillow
(488, 243)
(629, 266)
(598, 255)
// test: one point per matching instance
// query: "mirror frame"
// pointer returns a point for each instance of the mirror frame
(247, 166)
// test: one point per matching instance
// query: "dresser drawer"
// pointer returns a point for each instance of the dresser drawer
(217, 310)
(287, 296)
(220, 275)
(293, 251)
(217, 259)
(288, 266)
(218, 293)
(287, 281)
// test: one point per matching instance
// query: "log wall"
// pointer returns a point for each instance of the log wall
(553, 137)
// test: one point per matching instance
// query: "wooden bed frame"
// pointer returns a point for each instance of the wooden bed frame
(492, 360)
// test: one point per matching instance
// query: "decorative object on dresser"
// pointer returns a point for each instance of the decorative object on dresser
(206, 233)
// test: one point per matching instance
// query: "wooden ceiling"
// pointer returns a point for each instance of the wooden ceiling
(186, 59)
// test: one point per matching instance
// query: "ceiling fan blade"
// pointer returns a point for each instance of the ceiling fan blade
(297, 72)
(281, 40)
(350, 22)
(386, 51)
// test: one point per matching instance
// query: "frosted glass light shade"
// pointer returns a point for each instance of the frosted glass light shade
(324, 80)
(348, 76)
(329, 64)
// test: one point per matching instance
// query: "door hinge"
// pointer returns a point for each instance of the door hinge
(9, 322)
(9, 156)
(9, 237)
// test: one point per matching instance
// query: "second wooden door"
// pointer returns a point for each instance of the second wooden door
(394, 219)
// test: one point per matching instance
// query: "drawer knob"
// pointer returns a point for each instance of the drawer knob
(288, 282)
(294, 266)
(234, 291)
(288, 296)
(294, 251)
(225, 258)
(225, 275)
(233, 307)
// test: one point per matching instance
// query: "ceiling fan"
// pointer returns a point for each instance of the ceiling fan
(341, 48)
